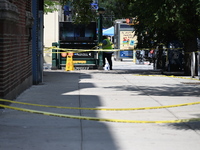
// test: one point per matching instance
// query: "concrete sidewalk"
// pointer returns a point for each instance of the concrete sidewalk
(119, 88)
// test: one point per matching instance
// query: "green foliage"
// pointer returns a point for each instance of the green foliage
(83, 12)
(50, 6)
(161, 20)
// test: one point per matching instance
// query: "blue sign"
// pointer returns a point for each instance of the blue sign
(127, 54)
(94, 4)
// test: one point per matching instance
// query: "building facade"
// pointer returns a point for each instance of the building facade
(16, 21)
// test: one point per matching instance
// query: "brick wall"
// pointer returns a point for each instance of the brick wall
(15, 47)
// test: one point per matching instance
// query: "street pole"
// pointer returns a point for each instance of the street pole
(100, 53)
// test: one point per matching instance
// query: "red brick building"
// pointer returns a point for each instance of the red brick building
(15, 47)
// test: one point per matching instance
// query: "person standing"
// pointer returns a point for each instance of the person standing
(107, 44)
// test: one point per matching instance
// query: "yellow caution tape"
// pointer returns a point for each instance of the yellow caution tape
(95, 118)
(104, 109)
(85, 50)
(77, 50)
(167, 76)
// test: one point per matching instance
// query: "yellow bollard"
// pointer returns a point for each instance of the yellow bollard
(69, 62)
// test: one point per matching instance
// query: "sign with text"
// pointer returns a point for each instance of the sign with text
(84, 55)
(127, 40)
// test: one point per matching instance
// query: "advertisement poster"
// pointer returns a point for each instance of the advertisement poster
(127, 42)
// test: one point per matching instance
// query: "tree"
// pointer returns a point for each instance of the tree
(170, 19)
(164, 20)
(50, 6)
(82, 10)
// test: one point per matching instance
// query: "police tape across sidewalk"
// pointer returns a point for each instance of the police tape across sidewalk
(87, 50)
(79, 50)
(98, 119)
(102, 109)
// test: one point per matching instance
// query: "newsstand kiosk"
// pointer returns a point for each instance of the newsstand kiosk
(76, 36)
(124, 40)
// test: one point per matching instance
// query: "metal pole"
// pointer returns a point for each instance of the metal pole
(198, 56)
(100, 54)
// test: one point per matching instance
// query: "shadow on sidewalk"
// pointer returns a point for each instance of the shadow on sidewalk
(21, 130)
(165, 90)
(186, 125)
(144, 71)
